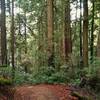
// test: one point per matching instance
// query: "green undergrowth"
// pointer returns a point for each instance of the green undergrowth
(4, 81)
(50, 75)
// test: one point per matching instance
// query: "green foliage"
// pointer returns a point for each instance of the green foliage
(5, 76)
(94, 74)
(4, 81)
(36, 59)
(6, 71)
(58, 77)
(22, 78)
(49, 75)
(44, 75)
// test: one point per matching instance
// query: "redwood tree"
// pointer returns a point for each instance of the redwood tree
(85, 33)
(50, 34)
(3, 34)
(67, 33)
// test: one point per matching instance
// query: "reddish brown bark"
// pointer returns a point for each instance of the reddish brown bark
(50, 34)
(50, 24)
(85, 33)
(67, 35)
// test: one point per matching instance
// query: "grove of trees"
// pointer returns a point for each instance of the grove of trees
(50, 34)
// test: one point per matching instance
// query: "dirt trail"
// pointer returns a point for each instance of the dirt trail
(34, 93)
(43, 92)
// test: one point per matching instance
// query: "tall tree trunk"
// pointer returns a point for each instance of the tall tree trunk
(3, 34)
(19, 33)
(67, 33)
(92, 36)
(85, 33)
(50, 32)
(19, 57)
(62, 43)
(81, 53)
(13, 41)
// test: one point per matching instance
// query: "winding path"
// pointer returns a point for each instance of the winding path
(43, 92)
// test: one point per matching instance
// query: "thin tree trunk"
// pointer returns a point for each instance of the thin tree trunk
(40, 44)
(81, 53)
(85, 33)
(92, 36)
(25, 33)
(19, 32)
(13, 41)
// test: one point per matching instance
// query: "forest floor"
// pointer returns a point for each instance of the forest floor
(47, 92)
